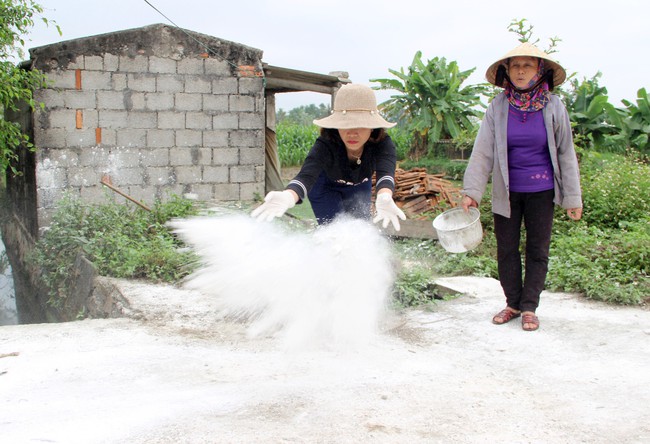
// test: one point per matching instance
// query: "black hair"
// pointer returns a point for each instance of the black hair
(501, 75)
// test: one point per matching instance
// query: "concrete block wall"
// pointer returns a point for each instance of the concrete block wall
(154, 122)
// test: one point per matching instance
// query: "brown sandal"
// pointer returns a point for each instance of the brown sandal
(530, 318)
(505, 315)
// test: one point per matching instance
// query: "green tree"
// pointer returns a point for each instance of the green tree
(16, 84)
(303, 115)
(430, 101)
(592, 116)
(636, 124)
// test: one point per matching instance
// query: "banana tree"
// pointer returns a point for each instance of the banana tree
(430, 102)
(637, 121)
(592, 116)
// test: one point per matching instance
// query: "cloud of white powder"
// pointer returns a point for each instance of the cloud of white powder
(327, 288)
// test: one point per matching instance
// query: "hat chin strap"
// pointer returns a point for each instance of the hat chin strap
(546, 77)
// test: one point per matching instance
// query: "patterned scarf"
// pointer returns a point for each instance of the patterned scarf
(533, 100)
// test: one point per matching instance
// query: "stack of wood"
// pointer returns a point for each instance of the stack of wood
(421, 195)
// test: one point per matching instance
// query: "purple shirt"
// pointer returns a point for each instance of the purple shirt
(529, 161)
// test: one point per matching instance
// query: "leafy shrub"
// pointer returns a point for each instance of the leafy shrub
(478, 262)
(120, 240)
(615, 188)
(592, 117)
(425, 260)
(637, 122)
(414, 284)
(605, 255)
(608, 265)
(403, 141)
(415, 287)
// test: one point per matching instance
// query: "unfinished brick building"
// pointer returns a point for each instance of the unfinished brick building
(152, 111)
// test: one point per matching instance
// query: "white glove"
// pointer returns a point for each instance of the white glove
(276, 203)
(387, 211)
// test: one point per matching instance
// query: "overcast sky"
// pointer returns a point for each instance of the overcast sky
(367, 37)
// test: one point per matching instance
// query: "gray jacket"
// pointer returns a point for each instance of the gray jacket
(490, 155)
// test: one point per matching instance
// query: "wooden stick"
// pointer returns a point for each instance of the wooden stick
(105, 183)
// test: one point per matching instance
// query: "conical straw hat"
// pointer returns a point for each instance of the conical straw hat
(530, 50)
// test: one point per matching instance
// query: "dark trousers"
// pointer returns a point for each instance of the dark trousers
(536, 211)
(330, 199)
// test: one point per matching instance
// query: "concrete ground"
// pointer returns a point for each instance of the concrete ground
(171, 371)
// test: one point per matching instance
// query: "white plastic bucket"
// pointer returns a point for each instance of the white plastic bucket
(459, 231)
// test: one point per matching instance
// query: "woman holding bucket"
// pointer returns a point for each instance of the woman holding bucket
(525, 144)
(337, 173)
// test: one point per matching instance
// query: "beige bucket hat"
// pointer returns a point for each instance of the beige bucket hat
(527, 49)
(355, 106)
